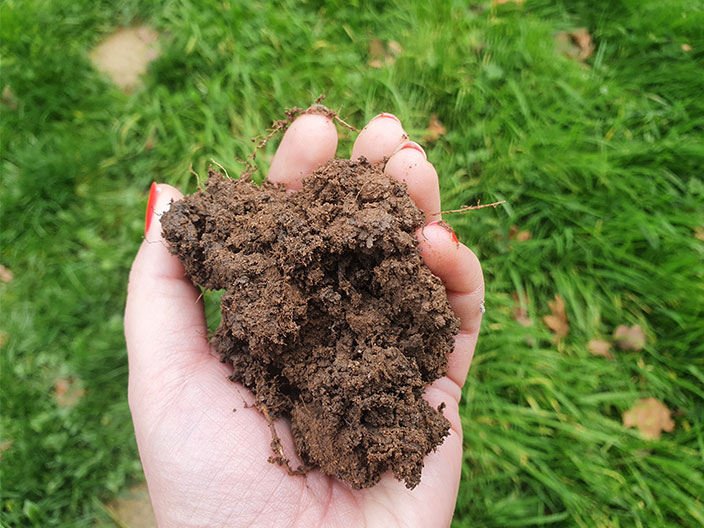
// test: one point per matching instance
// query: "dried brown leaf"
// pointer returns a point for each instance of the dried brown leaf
(5, 445)
(149, 143)
(599, 347)
(520, 313)
(499, 2)
(686, 47)
(650, 416)
(584, 41)
(557, 320)
(125, 55)
(381, 54)
(394, 48)
(376, 47)
(435, 129)
(9, 99)
(629, 337)
(699, 232)
(518, 235)
(6, 274)
(576, 43)
(68, 391)
(134, 509)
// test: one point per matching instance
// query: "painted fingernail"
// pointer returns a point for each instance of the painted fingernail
(415, 146)
(153, 195)
(447, 227)
(387, 115)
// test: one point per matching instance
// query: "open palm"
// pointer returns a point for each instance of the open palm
(204, 448)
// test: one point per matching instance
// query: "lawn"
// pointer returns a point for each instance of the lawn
(599, 160)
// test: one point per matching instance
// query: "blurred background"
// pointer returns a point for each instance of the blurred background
(585, 402)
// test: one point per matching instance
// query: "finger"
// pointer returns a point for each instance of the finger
(164, 318)
(459, 269)
(410, 165)
(379, 139)
(309, 142)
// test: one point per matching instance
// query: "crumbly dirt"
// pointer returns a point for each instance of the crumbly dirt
(330, 316)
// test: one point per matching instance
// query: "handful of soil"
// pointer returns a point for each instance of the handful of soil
(329, 316)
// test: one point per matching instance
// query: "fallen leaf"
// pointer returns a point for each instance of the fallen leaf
(376, 48)
(557, 321)
(599, 347)
(149, 143)
(5, 445)
(584, 41)
(699, 232)
(6, 274)
(629, 337)
(576, 43)
(520, 313)
(435, 130)
(9, 99)
(68, 391)
(395, 48)
(499, 2)
(125, 55)
(651, 417)
(134, 510)
(381, 54)
(686, 47)
(518, 236)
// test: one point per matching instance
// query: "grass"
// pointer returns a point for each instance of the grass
(601, 162)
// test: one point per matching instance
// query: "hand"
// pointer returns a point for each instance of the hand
(204, 452)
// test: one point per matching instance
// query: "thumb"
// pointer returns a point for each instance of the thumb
(164, 318)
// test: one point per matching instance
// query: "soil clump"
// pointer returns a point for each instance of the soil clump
(329, 316)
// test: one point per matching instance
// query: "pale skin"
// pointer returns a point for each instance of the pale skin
(204, 451)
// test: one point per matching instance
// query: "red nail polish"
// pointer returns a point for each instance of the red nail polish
(386, 114)
(447, 227)
(153, 193)
(415, 146)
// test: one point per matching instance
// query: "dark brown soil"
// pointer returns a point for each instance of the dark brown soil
(330, 317)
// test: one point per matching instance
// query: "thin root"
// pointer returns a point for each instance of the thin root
(468, 208)
(190, 169)
(317, 108)
(223, 168)
(282, 125)
(279, 458)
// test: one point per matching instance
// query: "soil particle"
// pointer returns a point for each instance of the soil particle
(330, 316)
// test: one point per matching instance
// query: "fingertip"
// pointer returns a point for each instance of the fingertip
(379, 139)
(410, 166)
(162, 305)
(153, 260)
(309, 142)
(161, 196)
(456, 265)
(461, 273)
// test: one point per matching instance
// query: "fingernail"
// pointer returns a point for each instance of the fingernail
(415, 146)
(447, 227)
(386, 115)
(153, 196)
